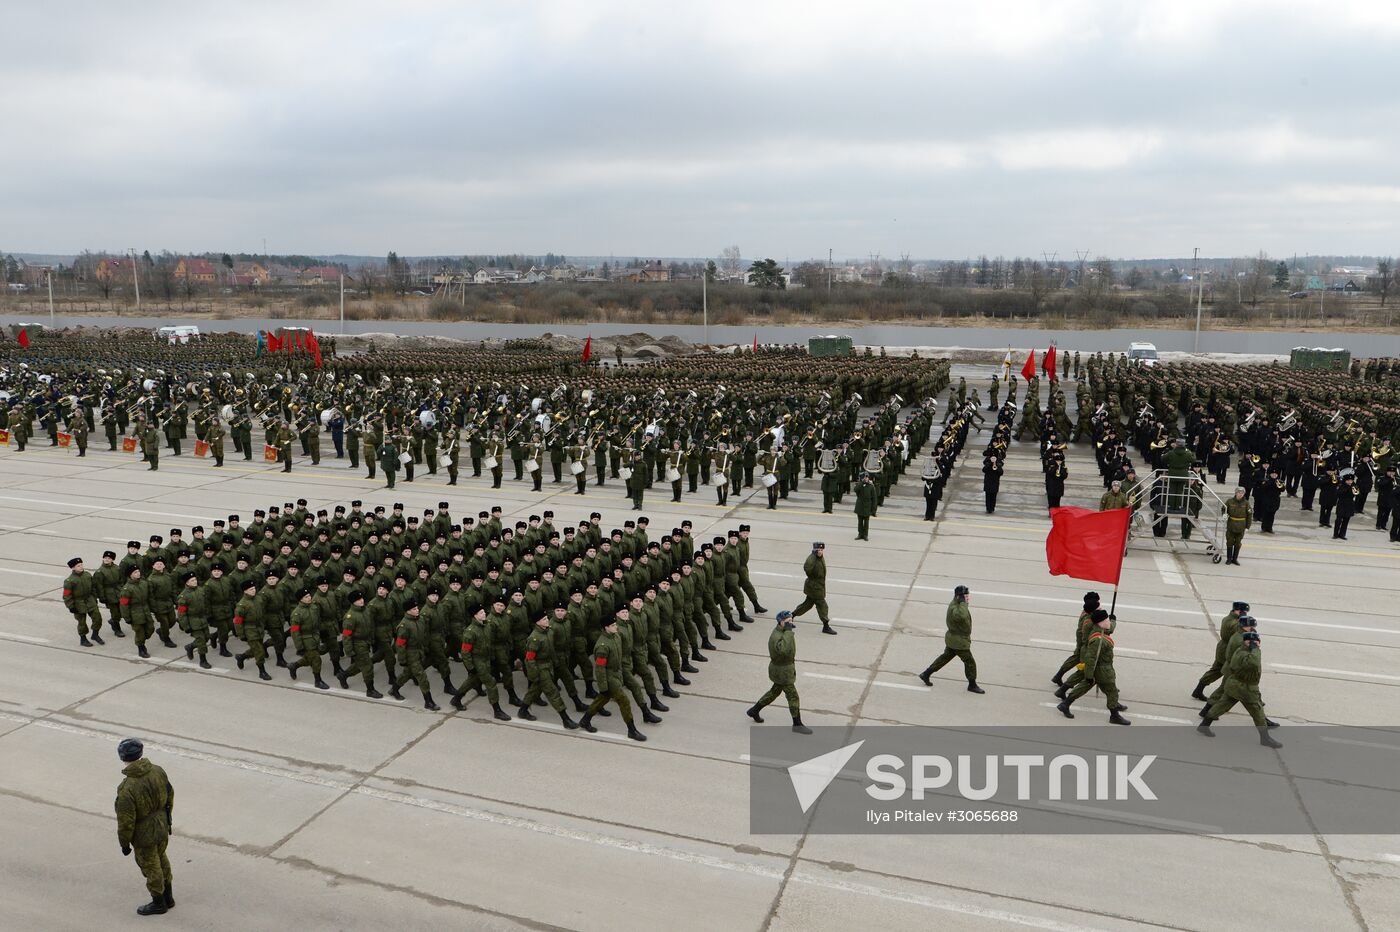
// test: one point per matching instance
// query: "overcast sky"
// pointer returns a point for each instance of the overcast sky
(587, 127)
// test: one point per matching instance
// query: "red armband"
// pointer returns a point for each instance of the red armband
(238, 619)
(346, 633)
(183, 609)
(466, 647)
(530, 655)
(601, 661)
(296, 628)
(124, 601)
(67, 593)
(400, 642)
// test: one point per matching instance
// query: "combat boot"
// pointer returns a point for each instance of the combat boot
(580, 705)
(189, 650)
(668, 692)
(341, 679)
(657, 704)
(117, 629)
(1205, 729)
(760, 609)
(204, 663)
(752, 713)
(568, 723)
(281, 661)
(83, 640)
(735, 627)
(510, 694)
(394, 692)
(374, 693)
(650, 717)
(1268, 740)
(292, 668)
(156, 907)
(262, 673)
(634, 734)
(798, 727)
(719, 636)
(1064, 708)
(500, 714)
(1199, 693)
(682, 681)
(972, 687)
(705, 644)
(447, 685)
(238, 660)
(589, 690)
(429, 704)
(1062, 692)
(224, 651)
(97, 638)
(828, 629)
(586, 723)
(165, 639)
(142, 652)
(322, 684)
(525, 713)
(1115, 719)
(687, 667)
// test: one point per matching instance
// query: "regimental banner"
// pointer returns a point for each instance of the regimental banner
(269, 453)
(4, 438)
(128, 444)
(201, 448)
(65, 440)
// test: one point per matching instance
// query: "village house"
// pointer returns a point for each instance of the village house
(191, 269)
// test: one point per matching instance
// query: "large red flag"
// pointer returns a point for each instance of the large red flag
(24, 339)
(1087, 544)
(1048, 367)
(1028, 370)
(274, 343)
(313, 346)
(588, 348)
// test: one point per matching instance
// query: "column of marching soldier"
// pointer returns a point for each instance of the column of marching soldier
(622, 613)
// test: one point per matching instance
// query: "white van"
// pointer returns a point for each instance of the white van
(1144, 353)
(182, 334)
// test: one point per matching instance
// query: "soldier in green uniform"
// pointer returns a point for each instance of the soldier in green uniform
(814, 588)
(867, 496)
(215, 438)
(162, 599)
(1114, 498)
(192, 613)
(306, 627)
(248, 625)
(136, 610)
(1097, 660)
(79, 597)
(1242, 686)
(477, 652)
(539, 662)
(410, 642)
(150, 445)
(607, 672)
(357, 631)
(107, 586)
(1228, 626)
(1081, 631)
(782, 673)
(1239, 517)
(145, 817)
(957, 641)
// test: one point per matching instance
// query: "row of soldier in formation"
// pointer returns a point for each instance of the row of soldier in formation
(687, 422)
(622, 613)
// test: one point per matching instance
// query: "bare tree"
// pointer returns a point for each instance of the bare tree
(1383, 279)
(1258, 278)
(731, 259)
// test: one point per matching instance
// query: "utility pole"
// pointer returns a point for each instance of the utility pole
(705, 299)
(342, 304)
(50, 278)
(1200, 295)
(828, 274)
(136, 280)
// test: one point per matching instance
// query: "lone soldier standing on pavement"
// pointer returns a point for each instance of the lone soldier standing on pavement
(814, 589)
(145, 806)
(782, 672)
(1239, 519)
(866, 496)
(957, 642)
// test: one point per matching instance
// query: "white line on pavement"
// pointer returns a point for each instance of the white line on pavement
(1363, 744)
(1142, 715)
(853, 679)
(1121, 650)
(1376, 676)
(23, 637)
(1169, 573)
(1116, 816)
(6, 569)
(862, 623)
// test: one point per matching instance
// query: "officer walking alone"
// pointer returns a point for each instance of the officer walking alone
(782, 673)
(957, 642)
(145, 807)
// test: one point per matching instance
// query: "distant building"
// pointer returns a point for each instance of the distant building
(652, 271)
(190, 269)
(118, 269)
(320, 275)
(251, 273)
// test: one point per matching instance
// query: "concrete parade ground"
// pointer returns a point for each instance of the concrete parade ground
(308, 809)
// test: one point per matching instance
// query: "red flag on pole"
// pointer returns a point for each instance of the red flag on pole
(24, 339)
(273, 343)
(313, 346)
(1087, 544)
(1049, 365)
(588, 348)
(1028, 370)
(755, 341)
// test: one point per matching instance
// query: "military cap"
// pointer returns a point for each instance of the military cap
(1091, 598)
(629, 523)
(456, 528)
(1240, 606)
(303, 593)
(532, 518)
(686, 523)
(1248, 621)
(218, 522)
(273, 510)
(743, 527)
(272, 571)
(1098, 615)
(339, 509)
(435, 589)
(398, 506)
(356, 595)
(356, 503)
(110, 553)
(401, 575)
(734, 534)
(594, 514)
(197, 529)
(477, 574)
(249, 584)
(495, 539)
(176, 532)
(549, 514)
(157, 539)
(484, 514)
(719, 539)
(323, 513)
(130, 749)
(259, 513)
(1250, 636)
(247, 535)
(818, 545)
(74, 562)
(379, 509)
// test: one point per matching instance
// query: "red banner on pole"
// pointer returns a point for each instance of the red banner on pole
(1028, 370)
(1087, 544)
(588, 348)
(1050, 362)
